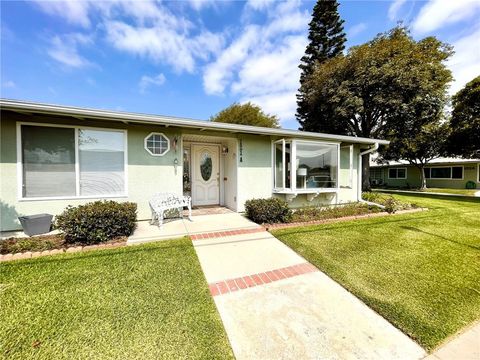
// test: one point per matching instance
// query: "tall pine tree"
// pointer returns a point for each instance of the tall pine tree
(327, 40)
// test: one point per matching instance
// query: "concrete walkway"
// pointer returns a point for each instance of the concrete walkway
(466, 346)
(274, 305)
(176, 228)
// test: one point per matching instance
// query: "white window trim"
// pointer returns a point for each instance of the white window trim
(350, 172)
(478, 173)
(451, 172)
(77, 164)
(397, 178)
(156, 133)
(293, 163)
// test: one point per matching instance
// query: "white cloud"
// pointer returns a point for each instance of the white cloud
(356, 29)
(395, 8)
(438, 13)
(9, 84)
(74, 12)
(64, 49)
(147, 81)
(259, 5)
(163, 44)
(465, 63)
(261, 64)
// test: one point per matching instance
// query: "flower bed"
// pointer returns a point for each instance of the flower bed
(43, 244)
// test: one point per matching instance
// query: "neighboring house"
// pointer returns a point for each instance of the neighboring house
(451, 173)
(55, 156)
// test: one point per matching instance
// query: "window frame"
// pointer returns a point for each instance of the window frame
(156, 133)
(20, 196)
(478, 173)
(451, 172)
(397, 178)
(292, 189)
(350, 170)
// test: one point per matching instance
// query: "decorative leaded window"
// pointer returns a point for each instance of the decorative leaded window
(157, 144)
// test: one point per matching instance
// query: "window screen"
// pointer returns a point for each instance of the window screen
(457, 172)
(48, 157)
(102, 162)
(441, 173)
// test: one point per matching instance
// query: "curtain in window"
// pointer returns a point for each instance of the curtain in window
(48, 158)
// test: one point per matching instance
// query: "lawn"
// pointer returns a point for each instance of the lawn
(139, 302)
(469, 192)
(420, 271)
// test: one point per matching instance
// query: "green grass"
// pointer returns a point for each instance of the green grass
(469, 192)
(139, 302)
(420, 271)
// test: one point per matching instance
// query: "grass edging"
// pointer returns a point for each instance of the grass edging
(72, 249)
(269, 227)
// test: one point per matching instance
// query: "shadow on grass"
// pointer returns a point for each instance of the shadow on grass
(411, 228)
(350, 224)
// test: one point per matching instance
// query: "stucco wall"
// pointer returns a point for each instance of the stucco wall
(255, 170)
(413, 178)
(147, 174)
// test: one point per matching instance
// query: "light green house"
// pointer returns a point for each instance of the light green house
(55, 156)
(452, 173)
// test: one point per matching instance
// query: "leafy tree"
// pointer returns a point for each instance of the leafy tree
(327, 40)
(418, 146)
(465, 121)
(383, 87)
(246, 114)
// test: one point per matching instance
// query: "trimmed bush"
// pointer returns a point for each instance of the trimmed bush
(97, 221)
(391, 204)
(313, 213)
(268, 211)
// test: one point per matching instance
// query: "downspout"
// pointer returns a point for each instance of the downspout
(359, 177)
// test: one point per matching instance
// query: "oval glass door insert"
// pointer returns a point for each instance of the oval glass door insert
(206, 166)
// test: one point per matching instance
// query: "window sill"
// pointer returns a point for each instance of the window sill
(53, 198)
(306, 191)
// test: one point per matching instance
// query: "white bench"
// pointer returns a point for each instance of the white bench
(161, 202)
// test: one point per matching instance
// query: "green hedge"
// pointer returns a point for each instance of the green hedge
(97, 221)
(268, 211)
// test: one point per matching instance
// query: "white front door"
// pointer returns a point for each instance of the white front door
(205, 175)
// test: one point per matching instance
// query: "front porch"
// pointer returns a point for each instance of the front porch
(204, 220)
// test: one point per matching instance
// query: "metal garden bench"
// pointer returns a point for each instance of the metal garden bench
(162, 202)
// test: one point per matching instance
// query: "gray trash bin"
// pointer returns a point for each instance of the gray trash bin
(36, 224)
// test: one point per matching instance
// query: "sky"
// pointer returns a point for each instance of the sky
(193, 58)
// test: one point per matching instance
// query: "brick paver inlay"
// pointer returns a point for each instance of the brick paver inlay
(232, 285)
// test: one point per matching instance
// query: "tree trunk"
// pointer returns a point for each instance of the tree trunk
(423, 180)
(366, 172)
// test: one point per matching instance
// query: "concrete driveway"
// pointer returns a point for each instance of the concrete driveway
(274, 305)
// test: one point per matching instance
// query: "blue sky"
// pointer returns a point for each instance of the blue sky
(193, 58)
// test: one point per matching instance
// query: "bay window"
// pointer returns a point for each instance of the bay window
(63, 162)
(305, 165)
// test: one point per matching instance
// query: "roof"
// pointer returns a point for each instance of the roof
(128, 117)
(437, 161)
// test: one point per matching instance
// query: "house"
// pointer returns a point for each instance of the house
(453, 173)
(55, 156)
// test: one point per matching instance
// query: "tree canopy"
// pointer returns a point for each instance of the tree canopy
(388, 88)
(246, 114)
(327, 41)
(465, 121)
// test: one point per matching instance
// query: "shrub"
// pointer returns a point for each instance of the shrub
(312, 213)
(97, 221)
(391, 204)
(268, 211)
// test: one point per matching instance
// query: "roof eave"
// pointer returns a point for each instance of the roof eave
(15, 105)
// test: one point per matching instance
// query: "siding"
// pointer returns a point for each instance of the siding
(470, 173)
